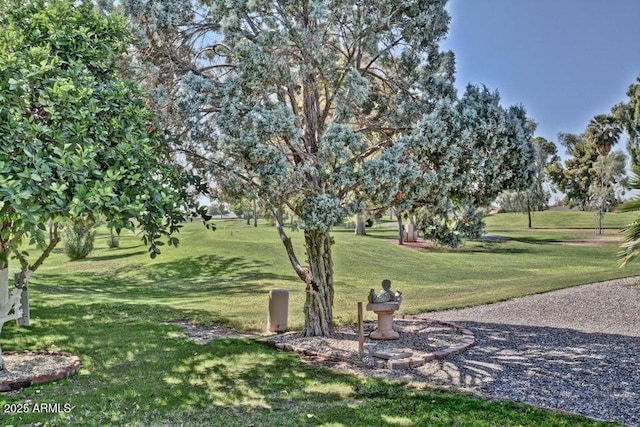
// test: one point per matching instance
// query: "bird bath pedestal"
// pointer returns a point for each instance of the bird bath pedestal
(385, 311)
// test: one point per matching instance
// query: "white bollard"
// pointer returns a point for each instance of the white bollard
(278, 310)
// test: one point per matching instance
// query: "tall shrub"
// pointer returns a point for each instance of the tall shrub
(78, 237)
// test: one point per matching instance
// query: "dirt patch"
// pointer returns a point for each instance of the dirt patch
(205, 334)
(591, 241)
(418, 244)
(610, 231)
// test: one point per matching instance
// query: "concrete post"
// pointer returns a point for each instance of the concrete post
(278, 310)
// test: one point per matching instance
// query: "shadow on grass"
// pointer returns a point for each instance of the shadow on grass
(118, 254)
(592, 374)
(489, 246)
(202, 276)
(137, 370)
(212, 267)
(483, 247)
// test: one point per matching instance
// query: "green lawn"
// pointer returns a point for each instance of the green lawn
(114, 308)
(562, 219)
(240, 264)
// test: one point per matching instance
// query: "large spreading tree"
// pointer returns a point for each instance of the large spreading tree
(318, 106)
(76, 140)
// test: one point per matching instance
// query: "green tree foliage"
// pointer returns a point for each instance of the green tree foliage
(589, 180)
(628, 116)
(631, 246)
(459, 157)
(316, 106)
(75, 138)
(536, 197)
(603, 131)
(217, 208)
(609, 184)
(576, 176)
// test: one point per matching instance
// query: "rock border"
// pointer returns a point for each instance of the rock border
(27, 380)
(468, 341)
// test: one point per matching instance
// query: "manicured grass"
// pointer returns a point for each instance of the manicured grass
(226, 275)
(562, 219)
(242, 263)
(137, 371)
(114, 311)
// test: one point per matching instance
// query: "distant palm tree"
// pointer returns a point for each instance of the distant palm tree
(604, 131)
(631, 245)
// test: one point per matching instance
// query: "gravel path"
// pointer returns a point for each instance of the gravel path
(576, 349)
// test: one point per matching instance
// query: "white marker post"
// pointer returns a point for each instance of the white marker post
(360, 330)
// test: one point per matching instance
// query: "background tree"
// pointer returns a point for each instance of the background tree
(314, 106)
(75, 139)
(360, 223)
(607, 188)
(628, 117)
(217, 207)
(631, 246)
(604, 131)
(489, 150)
(536, 197)
(242, 208)
(575, 177)
(588, 179)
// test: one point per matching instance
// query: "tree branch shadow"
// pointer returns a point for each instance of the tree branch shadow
(586, 373)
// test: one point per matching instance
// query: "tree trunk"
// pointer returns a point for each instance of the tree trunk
(600, 215)
(360, 226)
(529, 210)
(255, 213)
(4, 288)
(318, 307)
(4, 279)
(400, 228)
(22, 282)
(318, 277)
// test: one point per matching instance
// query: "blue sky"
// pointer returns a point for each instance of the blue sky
(564, 60)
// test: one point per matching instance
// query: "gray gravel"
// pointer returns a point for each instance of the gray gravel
(576, 349)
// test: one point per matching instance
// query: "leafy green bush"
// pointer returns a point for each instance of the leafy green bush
(78, 237)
